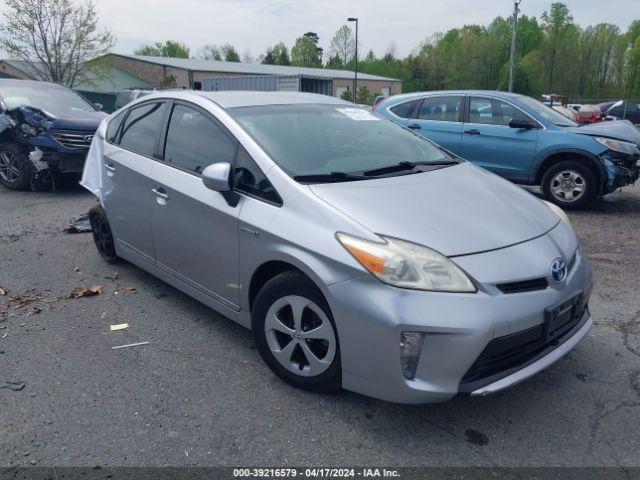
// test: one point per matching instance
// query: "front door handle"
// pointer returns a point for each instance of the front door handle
(473, 131)
(161, 194)
(414, 126)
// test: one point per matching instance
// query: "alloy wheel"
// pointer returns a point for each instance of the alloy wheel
(300, 336)
(9, 170)
(568, 186)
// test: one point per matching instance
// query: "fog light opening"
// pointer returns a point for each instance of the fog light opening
(410, 348)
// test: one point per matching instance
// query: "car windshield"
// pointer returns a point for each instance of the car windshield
(547, 113)
(46, 97)
(316, 140)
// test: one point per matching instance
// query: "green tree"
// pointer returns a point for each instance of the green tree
(277, 55)
(229, 53)
(306, 52)
(170, 48)
(55, 38)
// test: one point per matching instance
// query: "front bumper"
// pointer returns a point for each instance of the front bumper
(370, 317)
(621, 170)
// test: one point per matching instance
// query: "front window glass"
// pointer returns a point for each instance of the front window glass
(493, 112)
(329, 139)
(194, 141)
(51, 98)
(547, 113)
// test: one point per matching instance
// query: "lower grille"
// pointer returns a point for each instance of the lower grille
(73, 139)
(512, 352)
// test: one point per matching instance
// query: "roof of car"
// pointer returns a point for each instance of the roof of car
(496, 93)
(232, 99)
(32, 83)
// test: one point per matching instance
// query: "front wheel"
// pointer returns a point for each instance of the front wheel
(16, 171)
(295, 333)
(569, 184)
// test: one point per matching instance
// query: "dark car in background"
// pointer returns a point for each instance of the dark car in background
(45, 133)
(624, 110)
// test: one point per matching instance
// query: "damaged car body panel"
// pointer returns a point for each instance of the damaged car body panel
(46, 131)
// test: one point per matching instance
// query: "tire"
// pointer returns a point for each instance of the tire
(569, 184)
(16, 171)
(310, 357)
(102, 235)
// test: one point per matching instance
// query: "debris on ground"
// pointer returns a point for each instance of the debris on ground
(119, 326)
(129, 288)
(81, 291)
(4, 291)
(130, 345)
(34, 311)
(15, 386)
(113, 276)
(79, 224)
(20, 300)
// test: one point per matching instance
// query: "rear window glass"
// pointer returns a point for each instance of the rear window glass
(406, 109)
(142, 127)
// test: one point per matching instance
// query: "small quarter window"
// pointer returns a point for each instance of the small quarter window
(406, 109)
(113, 126)
(248, 178)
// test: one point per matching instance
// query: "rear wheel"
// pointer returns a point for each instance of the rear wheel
(295, 333)
(569, 184)
(102, 234)
(16, 170)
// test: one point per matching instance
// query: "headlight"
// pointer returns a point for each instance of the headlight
(558, 211)
(618, 145)
(407, 265)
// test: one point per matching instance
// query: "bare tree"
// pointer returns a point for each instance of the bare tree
(55, 38)
(343, 45)
(210, 52)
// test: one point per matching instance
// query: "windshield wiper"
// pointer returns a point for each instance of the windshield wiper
(329, 177)
(402, 166)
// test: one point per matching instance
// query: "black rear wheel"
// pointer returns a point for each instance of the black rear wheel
(102, 234)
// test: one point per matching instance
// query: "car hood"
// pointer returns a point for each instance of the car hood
(64, 119)
(456, 210)
(618, 129)
(76, 120)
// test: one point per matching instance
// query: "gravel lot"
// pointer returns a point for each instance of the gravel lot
(199, 394)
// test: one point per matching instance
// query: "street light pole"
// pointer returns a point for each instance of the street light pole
(355, 76)
(516, 3)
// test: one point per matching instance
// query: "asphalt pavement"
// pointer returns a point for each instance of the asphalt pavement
(199, 394)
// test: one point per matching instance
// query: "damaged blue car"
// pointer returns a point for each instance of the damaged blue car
(524, 141)
(45, 133)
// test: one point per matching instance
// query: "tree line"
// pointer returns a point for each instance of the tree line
(553, 55)
(57, 39)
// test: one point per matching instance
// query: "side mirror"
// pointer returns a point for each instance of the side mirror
(216, 177)
(522, 124)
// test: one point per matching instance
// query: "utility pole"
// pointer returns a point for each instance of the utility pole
(516, 4)
(355, 76)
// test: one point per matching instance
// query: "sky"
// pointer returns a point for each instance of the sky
(252, 25)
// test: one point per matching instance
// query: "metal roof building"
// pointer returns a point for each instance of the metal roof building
(191, 73)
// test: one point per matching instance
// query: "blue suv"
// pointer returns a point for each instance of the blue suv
(524, 141)
(45, 133)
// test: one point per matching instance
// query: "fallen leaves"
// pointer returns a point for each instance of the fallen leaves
(22, 299)
(80, 291)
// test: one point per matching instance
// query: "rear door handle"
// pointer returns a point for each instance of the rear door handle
(414, 126)
(160, 193)
(110, 167)
(473, 131)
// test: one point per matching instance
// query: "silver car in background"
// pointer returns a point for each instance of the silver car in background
(361, 255)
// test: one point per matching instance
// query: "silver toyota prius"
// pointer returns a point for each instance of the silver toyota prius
(361, 255)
